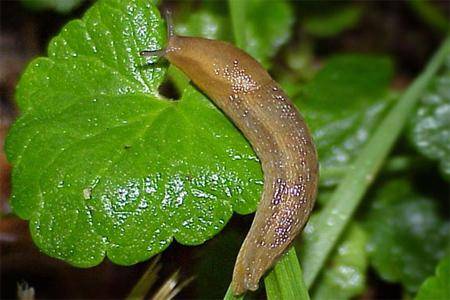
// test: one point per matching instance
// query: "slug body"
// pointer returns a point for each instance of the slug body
(247, 94)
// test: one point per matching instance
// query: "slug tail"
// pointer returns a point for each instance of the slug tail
(246, 276)
(281, 215)
(255, 256)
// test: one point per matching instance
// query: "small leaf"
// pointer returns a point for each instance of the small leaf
(342, 105)
(330, 20)
(205, 23)
(61, 6)
(103, 164)
(267, 28)
(407, 236)
(430, 128)
(437, 287)
(345, 277)
(263, 36)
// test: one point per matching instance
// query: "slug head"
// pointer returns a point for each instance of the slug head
(170, 33)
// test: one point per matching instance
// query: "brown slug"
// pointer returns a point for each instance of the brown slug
(247, 94)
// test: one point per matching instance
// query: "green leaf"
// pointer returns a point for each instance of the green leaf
(437, 287)
(407, 236)
(264, 35)
(103, 165)
(238, 12)
(229, 295)
(61, 6)
(205, 23)
(258, 28)
(430, 127)
(431, 14)
(345, 276)
(343, 105)
(352, 80)
(331, 20)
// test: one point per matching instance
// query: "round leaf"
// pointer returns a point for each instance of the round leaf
(103, 165)
(407, 236)
(343, 108)
(437, 287)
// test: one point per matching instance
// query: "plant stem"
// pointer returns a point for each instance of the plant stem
(237, 14)
(332, 220)
(285, 281)
(141, 288)
(229, 295)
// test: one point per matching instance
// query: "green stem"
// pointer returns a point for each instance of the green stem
(237, 14)
(272, 287)
(332, 220)
(285, 281)
(229, 295)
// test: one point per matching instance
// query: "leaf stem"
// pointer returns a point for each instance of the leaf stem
(285, 281)
(332, 220)
(237, 14)
(229, 295)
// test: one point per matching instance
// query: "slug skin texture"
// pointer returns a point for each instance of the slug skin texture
(247, 94)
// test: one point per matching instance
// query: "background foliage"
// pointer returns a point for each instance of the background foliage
(114, 156)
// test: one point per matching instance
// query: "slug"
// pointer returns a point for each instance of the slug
(247, 94)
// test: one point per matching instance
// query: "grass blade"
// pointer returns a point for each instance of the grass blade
(229, 295)
(141, 288)
(237, 14)
(285, 281)
(171, 287)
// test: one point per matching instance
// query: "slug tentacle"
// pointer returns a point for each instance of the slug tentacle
(169, 23)
(247, 94)
(151, 53)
